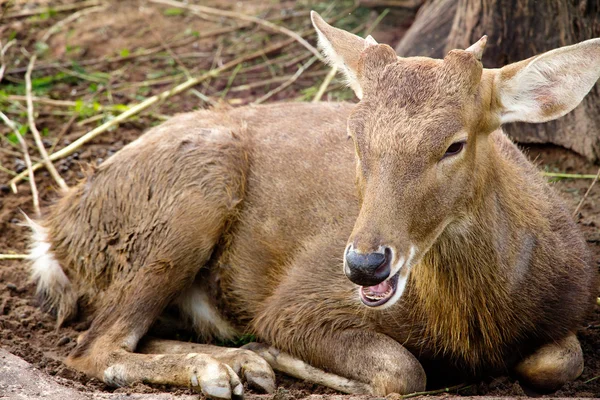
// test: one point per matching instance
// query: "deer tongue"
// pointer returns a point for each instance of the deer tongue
(378, 291)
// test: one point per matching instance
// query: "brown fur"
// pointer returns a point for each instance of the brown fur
(254, 206)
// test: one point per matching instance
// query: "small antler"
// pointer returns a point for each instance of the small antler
(369, 41)
(478, 47)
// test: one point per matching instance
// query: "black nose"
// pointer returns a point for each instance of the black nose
(368, 269)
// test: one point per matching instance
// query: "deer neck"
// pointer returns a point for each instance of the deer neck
(463, 283)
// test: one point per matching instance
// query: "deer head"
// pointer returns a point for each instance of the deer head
(421, 133)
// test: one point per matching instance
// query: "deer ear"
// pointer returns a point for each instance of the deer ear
(547, 86)
(342, 49)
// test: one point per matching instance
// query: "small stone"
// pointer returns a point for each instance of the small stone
(4, 189)
(20, 165)
(63, 340)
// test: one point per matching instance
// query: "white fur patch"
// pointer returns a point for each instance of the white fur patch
(212, 372)
(194, 380)
(132, 340)
(116, 375)
(214, 383)
(206, 320)
(45, 269)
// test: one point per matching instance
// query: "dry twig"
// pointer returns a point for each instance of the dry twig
(34, 192)
(295, 60)
(43, 100)
(62, 132)
(3, 50)
(36, 134)
(13, 256)
(411, 4)
(7, 171)
(231, 14)
(5, 139)
(286, 83)
(73, 17)
(379, 18)
(136, 109)
(586, 195)
(269, 62)
(462, 386)
(278, 79)
(203, 97)
(14, 153)
(81, 76)
(58, 8)
(562, 175)
(91, 119)
(325, 84)
(145, 54)
(168, 49)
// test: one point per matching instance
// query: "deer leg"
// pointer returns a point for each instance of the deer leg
(552, 365)
(253, 360)
(357, 362)
(106, 350)
(245, 363)
(285, 363)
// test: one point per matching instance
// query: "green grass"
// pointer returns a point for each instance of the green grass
(172, 12)
(39, 86)
(238, 342)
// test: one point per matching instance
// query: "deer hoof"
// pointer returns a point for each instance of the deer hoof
(216, 380)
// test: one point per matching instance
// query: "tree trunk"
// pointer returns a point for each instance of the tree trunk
(429, 32)
(516, 29)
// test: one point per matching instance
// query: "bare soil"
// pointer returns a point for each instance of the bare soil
(121, 30)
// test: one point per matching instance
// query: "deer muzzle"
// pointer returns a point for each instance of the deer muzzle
(381, 276)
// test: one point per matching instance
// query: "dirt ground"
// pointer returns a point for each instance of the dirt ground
(106, 59)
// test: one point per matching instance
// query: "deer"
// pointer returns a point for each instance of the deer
(366, 246)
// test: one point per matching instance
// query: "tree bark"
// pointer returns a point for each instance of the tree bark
(429, 32)
(517, 30)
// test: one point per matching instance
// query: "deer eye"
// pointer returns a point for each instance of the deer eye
(454, 149)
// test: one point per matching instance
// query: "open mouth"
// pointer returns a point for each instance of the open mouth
(373, 296)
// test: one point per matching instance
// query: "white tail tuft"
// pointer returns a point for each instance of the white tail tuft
(53, 286)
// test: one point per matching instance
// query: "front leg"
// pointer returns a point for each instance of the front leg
(360, 363)
(285, 363)
(246, 364)
(106, 350)
(552, 365)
